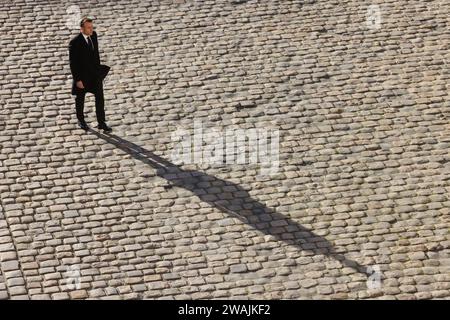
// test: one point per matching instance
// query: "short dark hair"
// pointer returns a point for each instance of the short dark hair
(85, 19)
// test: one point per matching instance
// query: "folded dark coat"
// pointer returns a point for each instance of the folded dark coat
(104, 69)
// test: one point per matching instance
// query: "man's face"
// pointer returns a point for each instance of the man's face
(87, 28)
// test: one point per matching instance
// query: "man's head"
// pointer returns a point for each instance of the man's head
(87, 26)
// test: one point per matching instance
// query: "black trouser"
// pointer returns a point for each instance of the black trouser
(99, 105)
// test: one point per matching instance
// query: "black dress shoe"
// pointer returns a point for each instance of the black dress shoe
(104, 127)
(83, 125)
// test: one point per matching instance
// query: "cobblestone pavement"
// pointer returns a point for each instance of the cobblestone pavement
(359, 208)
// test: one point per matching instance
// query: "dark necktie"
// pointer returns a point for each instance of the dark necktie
(91, 45)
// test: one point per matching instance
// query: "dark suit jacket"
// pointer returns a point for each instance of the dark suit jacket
(85, 64)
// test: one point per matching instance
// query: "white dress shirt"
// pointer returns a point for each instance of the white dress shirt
(86, 38)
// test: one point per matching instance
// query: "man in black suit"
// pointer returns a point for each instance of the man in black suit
(87, 73)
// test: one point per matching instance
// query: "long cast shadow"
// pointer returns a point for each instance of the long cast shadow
(236, 201)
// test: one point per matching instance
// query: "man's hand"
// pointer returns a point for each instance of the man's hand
(80, 84)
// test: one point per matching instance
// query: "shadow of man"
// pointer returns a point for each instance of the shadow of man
(235, 201)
